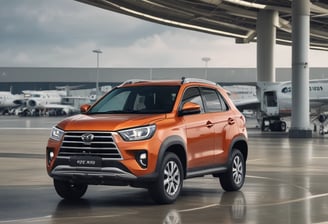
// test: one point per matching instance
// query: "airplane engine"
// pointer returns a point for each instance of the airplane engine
(32, 103)
(322, 117)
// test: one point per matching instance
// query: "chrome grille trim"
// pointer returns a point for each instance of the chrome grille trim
(102, 145)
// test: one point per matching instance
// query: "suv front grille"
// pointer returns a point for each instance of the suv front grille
(89, 144)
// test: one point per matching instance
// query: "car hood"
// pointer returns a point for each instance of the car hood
(107, 122)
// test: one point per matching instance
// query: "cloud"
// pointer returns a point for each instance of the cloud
(63, 33)
(182, 48)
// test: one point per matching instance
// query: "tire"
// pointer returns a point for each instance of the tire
(70, 191)
(234, 178)
(167, 187)
(262, 126)
(283, 126)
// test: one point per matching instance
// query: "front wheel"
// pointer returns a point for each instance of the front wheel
(234, 178)
(167, 187)
(70, 191)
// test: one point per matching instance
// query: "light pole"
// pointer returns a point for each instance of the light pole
(206, 60)
(97, 51)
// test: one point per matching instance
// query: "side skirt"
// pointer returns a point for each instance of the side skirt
(202, 172)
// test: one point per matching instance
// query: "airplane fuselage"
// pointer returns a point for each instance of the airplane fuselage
(41, 99)
(7, 99)
(279, 96)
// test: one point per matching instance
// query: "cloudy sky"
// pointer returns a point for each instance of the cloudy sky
(63, 33)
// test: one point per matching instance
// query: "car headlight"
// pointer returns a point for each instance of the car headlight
(56, 134)
(136, 134)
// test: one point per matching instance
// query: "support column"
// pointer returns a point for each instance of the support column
(300, 123)
(267, 21)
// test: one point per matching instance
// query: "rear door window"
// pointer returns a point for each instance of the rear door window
(213, 100)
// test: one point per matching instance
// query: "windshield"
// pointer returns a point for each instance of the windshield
(137, 99)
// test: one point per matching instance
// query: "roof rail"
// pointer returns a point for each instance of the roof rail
(188, 80)
(131, 81)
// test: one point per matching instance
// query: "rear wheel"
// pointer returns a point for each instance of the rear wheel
(167, 187)
(234, 178)
(70, 191)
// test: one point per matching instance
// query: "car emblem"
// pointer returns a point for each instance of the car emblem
(87, 138)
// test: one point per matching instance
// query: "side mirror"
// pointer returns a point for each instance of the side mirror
(190, 108)
(84, 108)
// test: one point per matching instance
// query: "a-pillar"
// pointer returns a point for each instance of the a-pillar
(300, 122)
(267, 21)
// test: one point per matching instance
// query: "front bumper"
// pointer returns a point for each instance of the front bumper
(93, 175)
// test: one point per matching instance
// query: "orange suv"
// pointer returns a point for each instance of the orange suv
(150, 134)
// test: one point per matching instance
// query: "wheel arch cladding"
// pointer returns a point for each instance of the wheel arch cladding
(240, 143)
(176, 145)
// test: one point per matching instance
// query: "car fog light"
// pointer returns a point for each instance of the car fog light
(50, 155)
(142, 159)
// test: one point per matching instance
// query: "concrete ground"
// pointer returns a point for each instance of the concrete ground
(286, 182)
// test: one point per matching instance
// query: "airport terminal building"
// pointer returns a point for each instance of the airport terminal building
(46, 78)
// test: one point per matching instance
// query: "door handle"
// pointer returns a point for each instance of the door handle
(231, 121)
(209, 124)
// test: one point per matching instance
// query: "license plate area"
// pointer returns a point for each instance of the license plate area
(86, 161)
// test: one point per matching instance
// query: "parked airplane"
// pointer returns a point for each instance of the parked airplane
(8, 101)
(48, 102)
(274, 101)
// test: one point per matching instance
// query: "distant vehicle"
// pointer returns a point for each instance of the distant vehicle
(9, 101)
(150, 134)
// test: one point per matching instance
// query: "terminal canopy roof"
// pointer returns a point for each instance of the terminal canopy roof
(231, 18)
